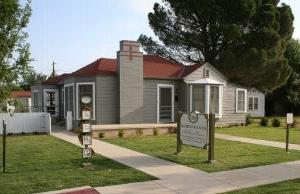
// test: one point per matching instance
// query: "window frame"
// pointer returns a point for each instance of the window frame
(65, 86)
(77, 99)
(207, 99)
(34, 98)
(245, 100)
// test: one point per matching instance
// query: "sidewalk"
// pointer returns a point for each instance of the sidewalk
(257, 141)
(176, 178)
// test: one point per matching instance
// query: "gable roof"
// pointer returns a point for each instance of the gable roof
(154, 67)
(56, 80)
(16, 94)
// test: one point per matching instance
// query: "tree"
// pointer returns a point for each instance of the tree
(31, 78)
(14, 50)
(244, 39)
(287, 97)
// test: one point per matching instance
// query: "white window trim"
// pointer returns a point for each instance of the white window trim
(158, 99)
(77, 98)
(68, 85)
(56, 100)
(236, 100)
(207, 99)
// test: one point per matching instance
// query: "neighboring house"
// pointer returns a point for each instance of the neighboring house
(256, 103)
(23, 99)
(137, 88)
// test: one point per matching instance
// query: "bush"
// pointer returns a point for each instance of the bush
(101, 135)
(248, 119)
(121, 133)
(275, 122)
(139, 132)
(155, 131)
(264, 121)
(295, 123)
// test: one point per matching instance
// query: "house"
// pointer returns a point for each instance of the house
(138, 88)
(23, 100)
(256, 103)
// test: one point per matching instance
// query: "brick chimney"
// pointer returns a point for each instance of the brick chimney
(131, 92)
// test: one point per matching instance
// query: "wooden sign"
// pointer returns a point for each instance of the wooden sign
(194, 129)
(86, 127)
(87, 152)
(86, 115)
(87, 140)
(289, 118)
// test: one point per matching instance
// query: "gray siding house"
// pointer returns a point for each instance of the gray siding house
(138, 88)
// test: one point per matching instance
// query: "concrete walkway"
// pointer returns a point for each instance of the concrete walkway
(257, 141)
(175, 178)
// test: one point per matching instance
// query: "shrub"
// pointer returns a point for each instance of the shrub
(264, 121)
(101, 135)
(248, 119)
(295, 123)
(275, 122)
(139, 132)
(121, 133)
(155, 131)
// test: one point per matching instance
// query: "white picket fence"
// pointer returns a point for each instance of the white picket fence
(28, 122)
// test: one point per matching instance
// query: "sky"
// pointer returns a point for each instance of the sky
(74, 33)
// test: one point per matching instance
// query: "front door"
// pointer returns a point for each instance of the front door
(165, 104)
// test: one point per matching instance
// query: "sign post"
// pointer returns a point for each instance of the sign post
(4, 145)
(289, 121)
(196, 130)
(178, 147)
(85, 136)
(211, 144)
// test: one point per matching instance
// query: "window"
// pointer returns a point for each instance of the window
(35, 98)
(214, 100)
(241, 100)
(250, 106)
(85, 89)
(256, 103)
(206, 73)
(69, 99)
(198, 103)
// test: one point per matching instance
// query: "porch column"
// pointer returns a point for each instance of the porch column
(207, 94)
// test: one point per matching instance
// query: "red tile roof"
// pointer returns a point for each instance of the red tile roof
(190, 68)
(56, 80)
(154, 67)
(16, 94)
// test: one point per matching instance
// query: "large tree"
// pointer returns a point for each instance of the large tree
(14, 50)
(245, 39)
(30, 78)
(287, 97)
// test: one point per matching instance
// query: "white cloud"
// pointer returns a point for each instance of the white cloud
(141, 6)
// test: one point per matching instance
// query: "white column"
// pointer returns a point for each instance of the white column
(220, 101)
(207, 94)
(191, 98)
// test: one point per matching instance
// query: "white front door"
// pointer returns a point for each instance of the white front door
(165, 103)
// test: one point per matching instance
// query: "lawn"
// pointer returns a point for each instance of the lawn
(43, 163)
(266, 133)
(286, 187)
(229, 154)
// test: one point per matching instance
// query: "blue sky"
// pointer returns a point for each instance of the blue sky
(74, 33)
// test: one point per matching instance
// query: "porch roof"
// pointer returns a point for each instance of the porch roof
(204, 81)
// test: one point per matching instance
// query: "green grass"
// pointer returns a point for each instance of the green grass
(44, 163)
(229, 154)
(286, 187)
(266, 133)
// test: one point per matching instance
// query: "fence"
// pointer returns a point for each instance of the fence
(26, 122)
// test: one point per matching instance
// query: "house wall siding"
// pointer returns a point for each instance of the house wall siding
(150, 98)
(107, 100)
(199, 73)
(230, 116)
